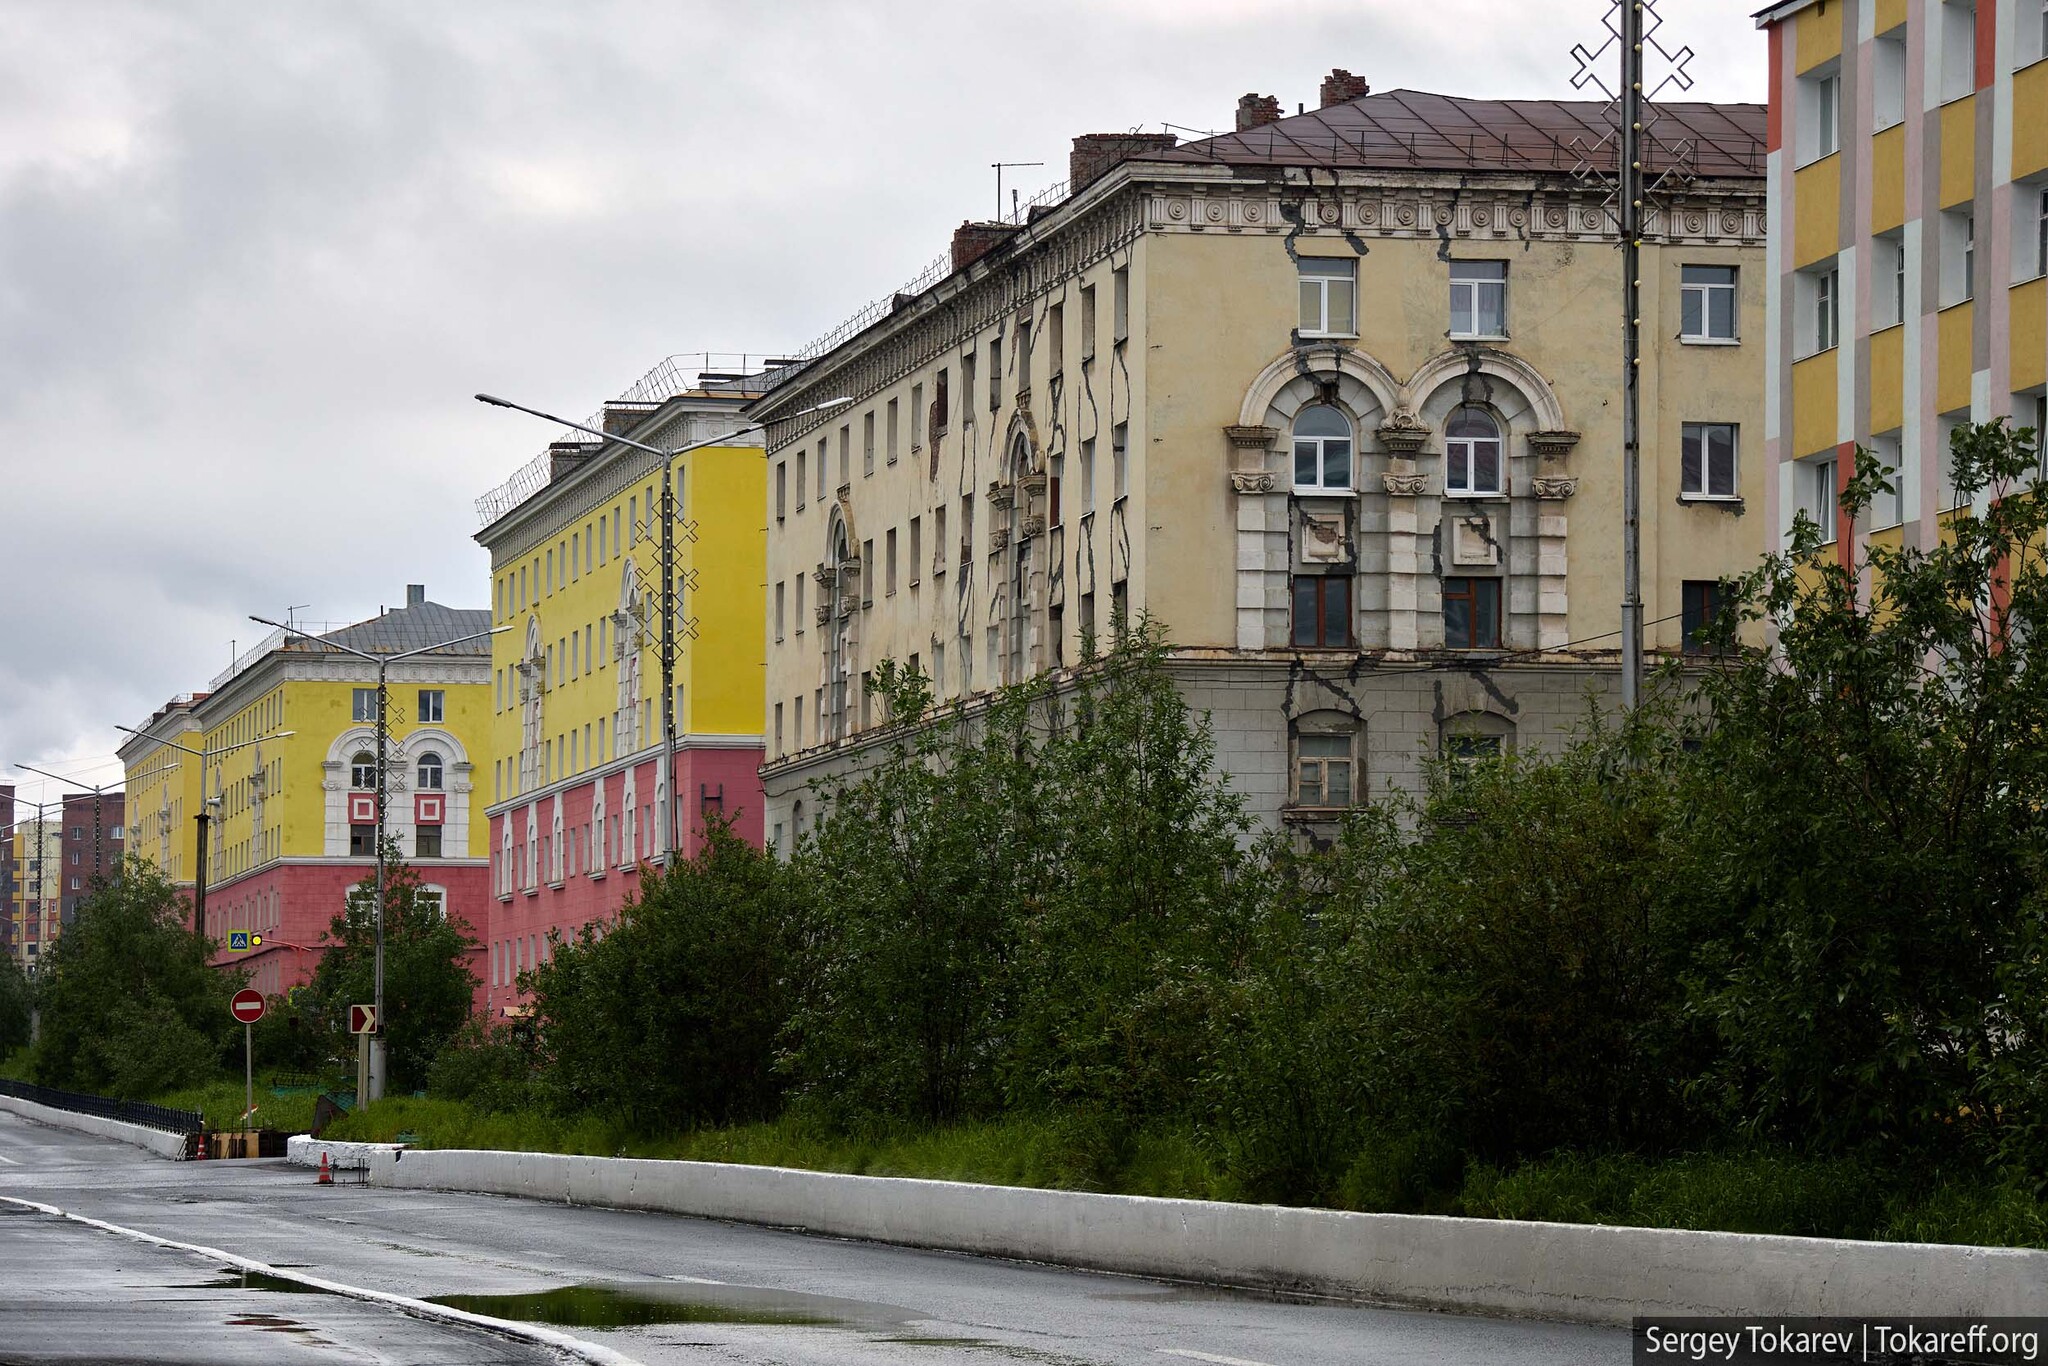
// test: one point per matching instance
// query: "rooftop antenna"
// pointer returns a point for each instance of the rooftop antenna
(295, 607)
(1000, 167)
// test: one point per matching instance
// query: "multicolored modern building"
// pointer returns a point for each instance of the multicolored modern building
(282, 752)
(579, 795)
(1908, 246)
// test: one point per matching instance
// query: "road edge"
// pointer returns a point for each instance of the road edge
(590, 1352)
(161, 1142)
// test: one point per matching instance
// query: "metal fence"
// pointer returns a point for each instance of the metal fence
(131, 1111)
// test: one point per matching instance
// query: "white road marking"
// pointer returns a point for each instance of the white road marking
(10, 1161)
(1192, 1355)
(581, 1350)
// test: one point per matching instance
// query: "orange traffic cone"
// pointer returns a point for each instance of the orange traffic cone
(326, 1175)
(201, 1155)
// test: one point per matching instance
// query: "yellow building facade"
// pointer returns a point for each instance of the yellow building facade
(280, 754)
(580, 797)
(1334, 399)
(1909, 248)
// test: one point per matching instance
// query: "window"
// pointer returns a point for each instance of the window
(967, 372)
(1323, 768)
(1322, 449)
(942, 408)
(1817, 295)
(1479, 298)
(1120, 303)
(1958, 49)
(1023, 358)
(1819, 108)
(1706, 303)
(1322, 611)
(1055, 340)
(800, 457)
(1087, 322)
(1472, 463)
(995, 373)
(782, 488)
(1329, 297)
(1947, 495)
(867, 444)
(1888, 292)
(1707, 460)
(889, 561)
(426, 841)
(1700, 603)
(867, 573)
(2040, 207)
(916, 550)
(916, 417)
(1471, 614)
(1119, 461)
(365, 704)
(781, 604)
(362, 771)
(362, 841)
(1088, 476)
(633, 521)
(430, 772)
(1887, 509)
(1888, 79)
(1816, 494)
(895, 431)
(433, 703)
(940, 550)
(845, 455)
(1467, 747)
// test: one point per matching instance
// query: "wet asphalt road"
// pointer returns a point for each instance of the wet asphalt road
(730, 1293)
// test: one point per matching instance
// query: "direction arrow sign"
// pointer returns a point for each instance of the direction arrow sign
(247, 1005)
(362, 1019)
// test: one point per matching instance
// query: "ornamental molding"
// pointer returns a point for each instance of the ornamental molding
(1405, 485)
(1034, 524)
(1250, 438)
(1404, 433)
(1001, 495)
(1032, 485)
(823, 612)
(1253, 481)
(999, 538)
(1554, 487)
(1553, 445)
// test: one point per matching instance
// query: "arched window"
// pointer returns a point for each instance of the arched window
(1472, 463)
(1322, 449)
(362, 771)
(430, 772)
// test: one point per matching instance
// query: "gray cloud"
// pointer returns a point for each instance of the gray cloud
(255, 257)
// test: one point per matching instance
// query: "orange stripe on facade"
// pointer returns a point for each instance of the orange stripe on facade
(1987, 45)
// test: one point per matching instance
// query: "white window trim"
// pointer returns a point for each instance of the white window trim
(1706, 293)
(1468, 443)
(1322, 284)
(1706, 475)
(1474, 286)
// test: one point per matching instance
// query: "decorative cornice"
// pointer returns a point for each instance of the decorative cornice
(1251, 438)
(1034, 524)
(1405, 485)
(1554, 487)
(1253, 481)
(1403, 433)
(1553, 445)
(1001, 495)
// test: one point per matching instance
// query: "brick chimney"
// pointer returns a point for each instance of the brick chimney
(1341, 87)
(1255, 109)
(972, 241)
(1096, 153)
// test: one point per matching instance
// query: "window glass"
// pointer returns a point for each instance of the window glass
(1700, 604)
(1329, 297)
(1479, 298)
(365, 704)
(1472, 453)
(432, 702)
(1322, 448)
(1322, 611)
(362, 771)
(1323, 770)
(1471, 614)
(1707, 460)
(430, 772)
(1707, 303)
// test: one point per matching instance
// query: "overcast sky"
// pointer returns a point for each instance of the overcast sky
(256, 256)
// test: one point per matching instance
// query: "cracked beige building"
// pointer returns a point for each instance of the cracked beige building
(1334, 398)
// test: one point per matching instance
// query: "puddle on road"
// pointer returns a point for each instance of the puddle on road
(633, 1304)
(254, 1280)
(1196, 1294)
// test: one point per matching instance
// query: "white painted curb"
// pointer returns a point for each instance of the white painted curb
(1581, 1272)
(159, 1141)
(304, 1150)
(547, 1337)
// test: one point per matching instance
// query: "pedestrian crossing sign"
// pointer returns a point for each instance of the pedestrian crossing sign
(241, 941)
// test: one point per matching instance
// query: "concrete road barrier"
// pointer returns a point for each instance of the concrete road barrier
(305, 1150)
(1588, 1273)
(159, 1141)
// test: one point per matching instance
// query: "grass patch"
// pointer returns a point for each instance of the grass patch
(222, 1102)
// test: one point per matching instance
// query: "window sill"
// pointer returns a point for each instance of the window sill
(505, 897)
(1727, 502)
(1315, 813)
(1325, 336)
(1809, 355)
(530, 891)
(1899, 122)
(1317, 491)
(1461, 496)
(1477, 336)
(1956, 303)
(1709, 341)
(596, 875)
(1817, 159)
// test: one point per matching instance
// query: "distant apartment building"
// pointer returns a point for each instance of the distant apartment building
(281, 750)
(35, 910)
(1909, 246)
(91, 846)
(9, 873)
(579, 796)
(1334, 398)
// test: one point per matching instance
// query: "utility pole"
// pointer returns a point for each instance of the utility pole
(199, 869)
(669, 839)
(1631, 205)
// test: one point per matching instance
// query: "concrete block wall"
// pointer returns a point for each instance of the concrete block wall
(1587, 1273)
(156, 1141)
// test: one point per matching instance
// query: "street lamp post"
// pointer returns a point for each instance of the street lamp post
(382, 661)
(669, 839)
(203, 816)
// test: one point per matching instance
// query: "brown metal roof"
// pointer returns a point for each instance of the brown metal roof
(1412, 130)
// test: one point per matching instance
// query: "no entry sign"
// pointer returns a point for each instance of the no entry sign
(247, 1005)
